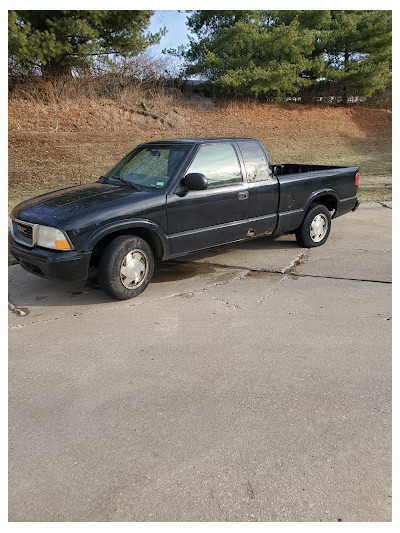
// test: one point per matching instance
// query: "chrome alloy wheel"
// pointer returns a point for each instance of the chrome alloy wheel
(318, 227)
(133, 269)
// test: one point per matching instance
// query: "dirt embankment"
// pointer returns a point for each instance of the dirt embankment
(58, 145)
(201, 117)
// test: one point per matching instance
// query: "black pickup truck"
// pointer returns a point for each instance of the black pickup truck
(167, 198)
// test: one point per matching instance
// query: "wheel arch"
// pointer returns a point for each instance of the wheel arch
(327, 197)
(149, 231)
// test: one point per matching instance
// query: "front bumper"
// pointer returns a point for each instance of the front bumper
(68, 266)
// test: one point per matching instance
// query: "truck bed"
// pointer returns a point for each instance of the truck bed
(296, 186)
(290, 168)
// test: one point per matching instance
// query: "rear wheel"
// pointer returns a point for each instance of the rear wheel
(126, 267)
(315, 228)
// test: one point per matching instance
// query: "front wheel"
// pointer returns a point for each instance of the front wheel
(126, 267)
(315, 228)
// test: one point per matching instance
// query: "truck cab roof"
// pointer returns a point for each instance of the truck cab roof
(207, 140)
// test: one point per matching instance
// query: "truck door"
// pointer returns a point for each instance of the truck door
(216, 215)
(263, 188)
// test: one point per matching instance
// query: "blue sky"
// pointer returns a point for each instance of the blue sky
(177, 31)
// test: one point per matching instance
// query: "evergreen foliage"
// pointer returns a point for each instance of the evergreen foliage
(275, 54)
(57, 41)
(255, 53)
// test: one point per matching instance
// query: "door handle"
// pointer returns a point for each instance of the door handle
(243, 195)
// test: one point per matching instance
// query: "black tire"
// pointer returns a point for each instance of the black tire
(123, 253)
(306, 235)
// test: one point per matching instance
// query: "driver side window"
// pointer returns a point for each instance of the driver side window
(219, 164)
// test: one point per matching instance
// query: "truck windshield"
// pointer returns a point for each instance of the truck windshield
(150, 166)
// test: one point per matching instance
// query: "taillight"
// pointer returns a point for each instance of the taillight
(357, 178)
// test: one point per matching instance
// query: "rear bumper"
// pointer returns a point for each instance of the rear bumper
(68, 266)
(346, 205)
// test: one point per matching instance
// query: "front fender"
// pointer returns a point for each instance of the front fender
(128, 224)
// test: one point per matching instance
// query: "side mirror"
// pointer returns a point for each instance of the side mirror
(195, 181)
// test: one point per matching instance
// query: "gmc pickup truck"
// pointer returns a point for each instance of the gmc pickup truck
(167, 198)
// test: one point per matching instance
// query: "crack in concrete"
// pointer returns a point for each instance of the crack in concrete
(303, 255)
(294, 274)
(72, 315)
(384, 205)
(194, 292)
(137, 303)
(271, 290)
(227, 302)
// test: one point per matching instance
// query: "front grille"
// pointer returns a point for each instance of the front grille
(23, 232)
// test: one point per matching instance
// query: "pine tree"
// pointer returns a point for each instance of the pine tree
(358, 49)
(57, 41)
(246, 53)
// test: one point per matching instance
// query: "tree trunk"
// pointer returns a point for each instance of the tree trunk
(345, 95)
(57, 67)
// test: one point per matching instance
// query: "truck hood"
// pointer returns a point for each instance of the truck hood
(60, 208)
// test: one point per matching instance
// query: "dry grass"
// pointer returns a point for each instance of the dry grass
(381, 192)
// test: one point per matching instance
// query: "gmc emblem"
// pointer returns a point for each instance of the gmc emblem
(21, 229)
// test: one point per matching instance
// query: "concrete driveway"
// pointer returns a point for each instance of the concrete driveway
(247, 383)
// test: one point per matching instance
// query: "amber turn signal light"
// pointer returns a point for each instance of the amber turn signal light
(62, 245)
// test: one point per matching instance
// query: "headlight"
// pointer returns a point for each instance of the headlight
(52, 238)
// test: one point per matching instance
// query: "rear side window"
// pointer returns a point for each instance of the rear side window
(256, 162)
(219, 164)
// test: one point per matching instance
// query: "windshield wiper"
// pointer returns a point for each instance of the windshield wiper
(127, 182)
